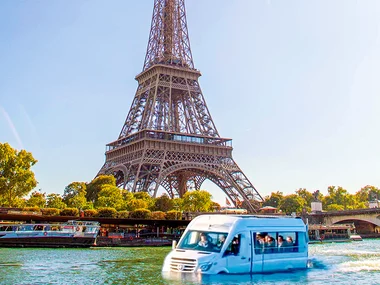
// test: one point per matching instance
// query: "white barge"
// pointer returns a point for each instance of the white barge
(69, 234)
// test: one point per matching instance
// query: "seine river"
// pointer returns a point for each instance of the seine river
(340, 263)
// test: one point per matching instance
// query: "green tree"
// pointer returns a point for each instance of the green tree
(55, 201)
(173, 215)
(178, 204)
(16, 177)
(367, 193)
(334, 207)
(163, 203)
(96, 185)
(107, 212)
(339, 196)
(197, 201)
(110, 196)
(74, 195)
(215, 206)
(135, 204)
(291, 203)
(17, 202)
(306, 196)
(140, 214)
(146, 197)
(127, 196)
(37, 199)
(274, 200)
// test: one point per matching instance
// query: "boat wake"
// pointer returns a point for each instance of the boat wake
(365, 264)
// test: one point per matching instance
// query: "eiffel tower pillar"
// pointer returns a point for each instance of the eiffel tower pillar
(169, 139)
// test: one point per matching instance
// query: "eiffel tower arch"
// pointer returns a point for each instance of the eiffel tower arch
(169, 138)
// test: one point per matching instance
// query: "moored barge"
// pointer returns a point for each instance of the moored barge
(69, 234)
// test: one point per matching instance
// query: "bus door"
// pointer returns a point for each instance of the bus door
(238, 254)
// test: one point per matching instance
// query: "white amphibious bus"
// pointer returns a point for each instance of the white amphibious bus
(213, 244)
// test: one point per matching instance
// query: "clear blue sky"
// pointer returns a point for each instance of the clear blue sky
(295, 84)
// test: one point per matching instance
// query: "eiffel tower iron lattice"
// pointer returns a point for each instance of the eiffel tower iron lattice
(169, 138)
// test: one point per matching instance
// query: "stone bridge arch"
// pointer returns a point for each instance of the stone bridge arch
(371, 219)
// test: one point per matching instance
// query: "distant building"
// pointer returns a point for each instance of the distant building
(268, 210)
(316, 206)
(374, 204)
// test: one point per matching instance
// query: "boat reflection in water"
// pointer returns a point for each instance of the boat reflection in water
(69, 234)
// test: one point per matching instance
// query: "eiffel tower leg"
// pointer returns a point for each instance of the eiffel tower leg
(182, 183)
(251, 198)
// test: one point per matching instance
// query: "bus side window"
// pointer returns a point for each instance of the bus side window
(289, 242)
(234, 246)
(259, 240)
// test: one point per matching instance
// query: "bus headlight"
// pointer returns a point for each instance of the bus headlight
(204, 266)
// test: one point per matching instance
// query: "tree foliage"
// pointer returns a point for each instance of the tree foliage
(339, 196)
(163, 203)
(291, 204)
(16, 177)
(55, 201)
(110, 196)
(137, 204)
(158, 215)
(173, 215)
(74, 195)
(145, 197)
(96, 185)
(274, 199)
(37, 199)
(107, 212)
(50, 212)
(140, 214)
(69, 212)
(197, 201)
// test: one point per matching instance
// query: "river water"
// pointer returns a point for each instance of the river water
(336, 263)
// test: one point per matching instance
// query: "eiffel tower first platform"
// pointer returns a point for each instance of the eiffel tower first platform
(169, 138)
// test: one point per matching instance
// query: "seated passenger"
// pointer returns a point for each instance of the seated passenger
(281, 243)
(221, 241)
(235, 246)
(269, 244)
(203, 242)
(289, 243)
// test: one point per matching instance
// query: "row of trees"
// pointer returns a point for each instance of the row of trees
(337, 199)
(102, 192)
(17, 181)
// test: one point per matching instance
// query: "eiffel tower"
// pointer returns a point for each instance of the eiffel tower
(169, 138)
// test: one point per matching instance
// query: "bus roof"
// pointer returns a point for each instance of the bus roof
(223, 223)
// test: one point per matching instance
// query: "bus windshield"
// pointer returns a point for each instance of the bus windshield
(203, 241)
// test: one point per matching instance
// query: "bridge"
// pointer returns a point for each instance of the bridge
(367, 221)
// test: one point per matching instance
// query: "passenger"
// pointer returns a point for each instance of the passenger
(221, 241)
(203, 241)
(281, 243)
(260, 242)
(289, 241)
(260, 239)
(270, 244)
(289, 244)
(235, 246)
